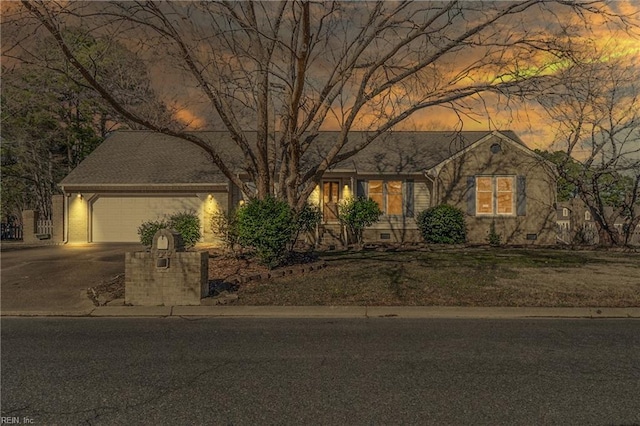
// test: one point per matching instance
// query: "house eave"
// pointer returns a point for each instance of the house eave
(138, 187)
(377, 173)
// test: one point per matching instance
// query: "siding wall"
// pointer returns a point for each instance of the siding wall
(219, 202)
(79, 218)
(539, 219)
(422, 196)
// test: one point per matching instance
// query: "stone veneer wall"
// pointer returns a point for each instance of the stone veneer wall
(184, 282)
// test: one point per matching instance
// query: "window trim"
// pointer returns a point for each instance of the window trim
(385, 195)
(494, 195)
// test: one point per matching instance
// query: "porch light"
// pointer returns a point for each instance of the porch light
(346, 192)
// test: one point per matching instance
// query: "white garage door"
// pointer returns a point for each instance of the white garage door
(116, 219)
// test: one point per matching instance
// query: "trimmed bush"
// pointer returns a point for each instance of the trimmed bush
(442, 224)
(148, 229)
(268, 226)
(186, 223)
(357, 214)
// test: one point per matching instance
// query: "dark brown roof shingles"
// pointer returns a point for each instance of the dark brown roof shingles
(145, 157)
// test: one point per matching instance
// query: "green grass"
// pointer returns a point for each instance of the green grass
(459, 277)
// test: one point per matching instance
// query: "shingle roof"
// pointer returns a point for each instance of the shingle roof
(414, 152)
(145, 157)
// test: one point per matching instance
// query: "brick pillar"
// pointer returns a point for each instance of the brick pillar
(57, 216)
(29, 226)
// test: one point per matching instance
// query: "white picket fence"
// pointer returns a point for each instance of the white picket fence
(45, 226)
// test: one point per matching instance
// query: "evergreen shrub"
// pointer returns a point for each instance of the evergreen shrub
(268, 226)
(357, 214)
(187, 223)
(443, 224)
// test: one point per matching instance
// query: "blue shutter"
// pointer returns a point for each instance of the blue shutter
(521, 203)
(361, 189)
(471, 195)
(408, 198)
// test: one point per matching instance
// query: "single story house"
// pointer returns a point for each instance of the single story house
(135, 176)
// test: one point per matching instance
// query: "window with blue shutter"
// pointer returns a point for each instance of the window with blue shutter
(409, 198)
(471, 195)
(521, 203)
(395, 197)
(496, 195)
(361, 188)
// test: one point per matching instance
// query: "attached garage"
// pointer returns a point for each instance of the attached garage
(138, 176)
(117, 218)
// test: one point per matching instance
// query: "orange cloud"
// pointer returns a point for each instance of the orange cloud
(189, 119)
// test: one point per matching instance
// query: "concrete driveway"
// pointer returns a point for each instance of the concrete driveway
(54, 279)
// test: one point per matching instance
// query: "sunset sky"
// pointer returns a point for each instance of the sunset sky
(609, 41)
(526, 118)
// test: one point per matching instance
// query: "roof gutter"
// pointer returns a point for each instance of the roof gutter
(432, 176)
(124, 187)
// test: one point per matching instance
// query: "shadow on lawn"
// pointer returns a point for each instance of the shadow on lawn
(472, 257)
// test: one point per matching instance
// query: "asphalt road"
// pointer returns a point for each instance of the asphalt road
(52, 278)
(311, 371)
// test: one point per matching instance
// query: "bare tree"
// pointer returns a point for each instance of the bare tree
(303, 65)
(51, 119)
(595, 108)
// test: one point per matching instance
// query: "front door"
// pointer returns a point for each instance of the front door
(330, 199)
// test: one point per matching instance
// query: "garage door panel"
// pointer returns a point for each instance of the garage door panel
(116, 219)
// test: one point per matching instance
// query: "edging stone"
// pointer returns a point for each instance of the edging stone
(287, 271)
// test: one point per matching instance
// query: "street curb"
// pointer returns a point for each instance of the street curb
(6, 314)
(131, 311)
(272, 311)
(500, 312)
(403, 312)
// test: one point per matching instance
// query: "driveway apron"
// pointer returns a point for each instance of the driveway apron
(55, 279)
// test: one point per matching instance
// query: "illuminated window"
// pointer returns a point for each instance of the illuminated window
(394, 197)
(495, 195)
(484, 194)
(504, 191)
(388, 195)
(587, 215)
(376, 192)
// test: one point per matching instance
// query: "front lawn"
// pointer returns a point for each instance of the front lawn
(459, 277)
